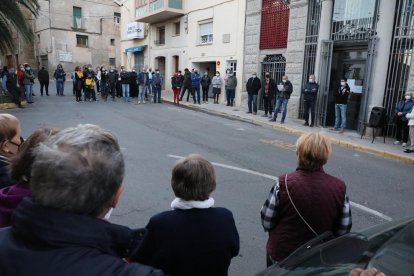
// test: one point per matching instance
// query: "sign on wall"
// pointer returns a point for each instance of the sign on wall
(65, 56)
(135, 30)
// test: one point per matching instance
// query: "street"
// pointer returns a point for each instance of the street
(246, 158)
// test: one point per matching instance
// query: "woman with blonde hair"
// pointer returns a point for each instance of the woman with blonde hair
(305, 203)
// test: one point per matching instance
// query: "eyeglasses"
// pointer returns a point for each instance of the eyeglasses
(17, 145)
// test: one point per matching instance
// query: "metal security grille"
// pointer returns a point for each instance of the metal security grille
(324, 78)
(275, 65)
(354, 19)
(275, 24)
(311, 45)
(400, 58)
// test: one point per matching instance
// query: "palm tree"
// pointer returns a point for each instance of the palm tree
(12, 18)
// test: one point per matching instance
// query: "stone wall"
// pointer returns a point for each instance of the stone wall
(295, 51)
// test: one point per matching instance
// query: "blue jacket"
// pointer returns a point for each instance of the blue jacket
(142, 78)
(191, 242)
(404, 107)
(44, 241)
(195, 80)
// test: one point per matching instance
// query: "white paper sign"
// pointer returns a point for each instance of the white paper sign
(135, 30)
(65, 56)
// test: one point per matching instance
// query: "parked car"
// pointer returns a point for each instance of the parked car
(388, 247)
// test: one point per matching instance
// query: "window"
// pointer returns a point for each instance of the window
(206, 33)
(160, 36)
(177, 27)
(232, 67)
(117, 17)
(112, 61)
(112, 41)
(81, 41)
(77, 18)
(275, 24)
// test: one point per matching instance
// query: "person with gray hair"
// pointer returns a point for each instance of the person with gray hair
(76, 180)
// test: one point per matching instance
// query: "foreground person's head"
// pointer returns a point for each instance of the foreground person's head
(193, 178)
(78, 170)
(313, 150)
(9, 135)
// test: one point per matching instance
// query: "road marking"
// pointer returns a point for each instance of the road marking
(354, 204)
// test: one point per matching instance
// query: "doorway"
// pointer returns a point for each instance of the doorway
(138, 61)
(210, 68)
(349, 63)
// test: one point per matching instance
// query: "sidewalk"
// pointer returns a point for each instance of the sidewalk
(349, 139)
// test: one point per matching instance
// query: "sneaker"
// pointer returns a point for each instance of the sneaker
(143, 101)
(306, 124)
(139, 102)
(341, 130)
(408, 151)
(248, 112)
(397, 142)
(404, 144)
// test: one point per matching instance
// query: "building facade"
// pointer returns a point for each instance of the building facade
(78, 32)
(204, 35)
(369, 42)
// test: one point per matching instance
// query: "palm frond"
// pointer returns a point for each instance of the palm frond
(12, 16)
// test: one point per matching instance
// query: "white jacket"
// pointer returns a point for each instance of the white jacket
(410, 116)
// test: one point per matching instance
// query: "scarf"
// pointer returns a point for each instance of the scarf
(182, 204)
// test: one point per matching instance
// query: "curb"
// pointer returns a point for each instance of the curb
(345, 144)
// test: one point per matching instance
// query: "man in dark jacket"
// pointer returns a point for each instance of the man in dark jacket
(133, 84)
(205, 86)
(112, 82)
(341, 102)
(309, 100)
(10, 80)
(186, 85)
(43, 77)
(253, 86)
(62, 230)
(269, 90)
(282, 99)
(124, 78)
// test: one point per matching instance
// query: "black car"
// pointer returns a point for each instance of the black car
(388, 247)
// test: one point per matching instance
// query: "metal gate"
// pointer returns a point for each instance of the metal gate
(324, 79)
(366, 89)
(400, 57)
(275, 65)
(311, 45)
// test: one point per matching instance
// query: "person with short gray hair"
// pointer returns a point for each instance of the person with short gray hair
(194, 238)
(76, 180)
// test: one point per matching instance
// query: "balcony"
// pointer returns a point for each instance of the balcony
(154, 11)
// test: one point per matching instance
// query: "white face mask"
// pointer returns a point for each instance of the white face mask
(284, 81)
(408, 97)
(342, 83)
(310, 80)
(108, 214)
(254, 76)
(217, 75)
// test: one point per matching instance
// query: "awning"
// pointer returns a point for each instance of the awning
(135, 49)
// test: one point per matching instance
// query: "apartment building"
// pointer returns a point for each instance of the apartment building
(78, 32)
(369, 42)
(204, 35)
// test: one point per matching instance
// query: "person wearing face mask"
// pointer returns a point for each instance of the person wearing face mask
(268, 93)
(410, 117)
(205, 86)
(216, 82)
(402, 108)
(158, 82)
(28, 81)
(104, 84)
(176, 87)
(341, 102)
(253, 86)
(60, 77)
(230, 84)
(282, 98)
(124, 78)
(10, 142)
(10, 84)
(133, 84)
(79, 81)
(112, 81)
(76, 180)
(186, 85)
(309, 100)
(195, 85)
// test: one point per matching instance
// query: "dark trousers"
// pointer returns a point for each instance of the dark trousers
(205, 93)
(309, 106)
(78, 94)
(46, 86)
(268, 105)
(230, 94)
(402, 131)
(15, 94)
(189, 91)
(157, 94)
(112, 90)
(196, 93)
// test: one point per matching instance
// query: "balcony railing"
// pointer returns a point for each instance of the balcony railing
(78, 23)
(153, 11)
(159, 42)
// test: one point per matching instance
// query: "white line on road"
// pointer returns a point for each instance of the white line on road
(354, 204)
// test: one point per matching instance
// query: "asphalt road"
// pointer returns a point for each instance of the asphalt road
(152, 134)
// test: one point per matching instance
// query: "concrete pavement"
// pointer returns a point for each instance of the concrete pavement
(349, 139)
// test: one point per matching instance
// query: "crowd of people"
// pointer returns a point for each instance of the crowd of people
(59, 187)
